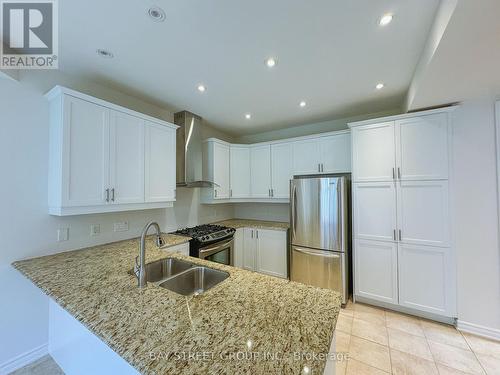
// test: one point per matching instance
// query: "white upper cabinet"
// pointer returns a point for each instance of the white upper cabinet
(422, 147)
(374, 211)
(102, 157)
(160, 162)
(260, 171)
(306, 157)
(126, 158)
(216, 168)
(335, 153)
(239, 171)
(221, 170)
(281, 170)
(81, 141)
(423, 215)
(374, 155)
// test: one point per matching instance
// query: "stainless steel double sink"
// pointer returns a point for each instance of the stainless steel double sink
(183, 277)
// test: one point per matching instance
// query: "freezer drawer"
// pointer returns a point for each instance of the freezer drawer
(324, 269)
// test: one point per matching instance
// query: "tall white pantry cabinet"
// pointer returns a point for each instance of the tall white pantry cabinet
(401, 180)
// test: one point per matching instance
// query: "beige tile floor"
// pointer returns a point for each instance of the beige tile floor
(44, 366)
(379, 341)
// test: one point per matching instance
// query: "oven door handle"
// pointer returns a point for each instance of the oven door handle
(217, 247)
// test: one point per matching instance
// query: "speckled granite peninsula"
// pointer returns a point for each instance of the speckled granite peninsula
(155, 329)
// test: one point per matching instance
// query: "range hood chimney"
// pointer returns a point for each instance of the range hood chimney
(189, 151)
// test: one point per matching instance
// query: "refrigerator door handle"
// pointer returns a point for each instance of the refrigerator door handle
(294, 210)
(324, 254)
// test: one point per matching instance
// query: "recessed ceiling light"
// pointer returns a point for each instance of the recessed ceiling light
(270, 62)
(105, 53)
(248, 116)
(302, 103)
(385, 19)
(157, 14)
(379, 86)
(201, 88)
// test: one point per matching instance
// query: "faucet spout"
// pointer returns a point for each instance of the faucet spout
(140, 264)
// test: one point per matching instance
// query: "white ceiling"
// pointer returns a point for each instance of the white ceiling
(331, 53)
(466, 63)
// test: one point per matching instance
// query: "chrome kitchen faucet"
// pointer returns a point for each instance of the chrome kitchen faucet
(140, 264)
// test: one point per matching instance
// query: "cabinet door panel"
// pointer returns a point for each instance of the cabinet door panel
(221, 170)
(375, 211)
(376, 272)
(423, 216)
(374, 155)
(249, 246)
(160, 163)
(260, 171)
(336, 153)
(240, 172)
(239, 247)
(425, 278)
(306, 157)
(86, 153)
(126, 158)
(423, 147)
(271, 252)
(281, 169)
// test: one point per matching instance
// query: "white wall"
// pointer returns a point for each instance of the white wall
(26, 229)
(476, 214)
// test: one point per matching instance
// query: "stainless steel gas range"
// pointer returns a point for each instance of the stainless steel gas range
(211, 242)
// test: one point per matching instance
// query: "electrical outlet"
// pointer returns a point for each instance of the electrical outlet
(95, 230)
(121, 226)
(62, 234)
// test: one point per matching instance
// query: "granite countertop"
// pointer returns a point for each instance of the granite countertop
(259, 224)
(155, 330)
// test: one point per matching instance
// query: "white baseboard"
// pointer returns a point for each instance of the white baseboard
(23, 359)
(479, 330)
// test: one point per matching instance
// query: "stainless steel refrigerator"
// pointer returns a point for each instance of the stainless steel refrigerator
(320, 231)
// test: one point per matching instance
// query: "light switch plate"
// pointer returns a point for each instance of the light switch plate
(95, 230)
(62, 234)
(121, 226)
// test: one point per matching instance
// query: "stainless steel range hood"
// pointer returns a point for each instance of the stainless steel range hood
(189, 151)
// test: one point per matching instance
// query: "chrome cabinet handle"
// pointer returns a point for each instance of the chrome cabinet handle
(272, 192)
(394, 234)
(215, 193)
(393, 173)
(256, 234)
(400, 236)
(252, 233)
(322, 167)
(107, 195)
(230, 192)
(113, 195)
(319, 167)
(399, 173)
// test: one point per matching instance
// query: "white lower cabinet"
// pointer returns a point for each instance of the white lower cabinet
(262, 250)
(182, 248)
(376, 270)
(238, 247)
(425, 280)
(249, 248)
(271, 253)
